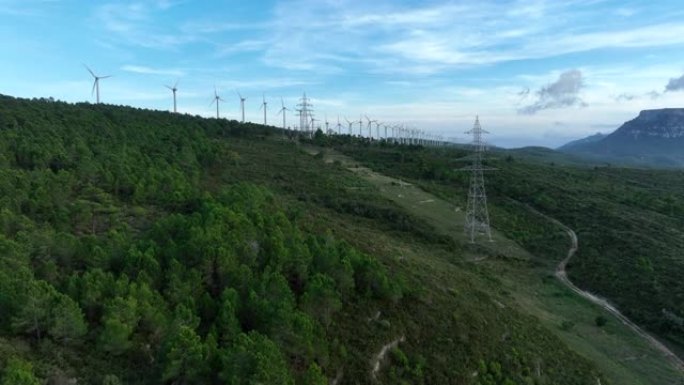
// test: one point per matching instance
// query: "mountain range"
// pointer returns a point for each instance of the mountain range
(655, 138)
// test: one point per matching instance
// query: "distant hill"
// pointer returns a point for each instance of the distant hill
(580, 142)
(655, 138)
(547, 155)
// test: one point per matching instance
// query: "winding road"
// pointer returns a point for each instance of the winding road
(562, 275)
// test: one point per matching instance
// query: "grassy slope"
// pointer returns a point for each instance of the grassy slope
(619, 353)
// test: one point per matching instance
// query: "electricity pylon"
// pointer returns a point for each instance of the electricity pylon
(305, 111)
(477, 216)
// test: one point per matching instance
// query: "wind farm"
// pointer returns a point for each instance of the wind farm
(307, 120)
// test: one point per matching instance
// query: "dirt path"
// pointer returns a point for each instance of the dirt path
(380, 357)
(562, 275)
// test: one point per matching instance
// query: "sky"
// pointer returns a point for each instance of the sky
(535, 72)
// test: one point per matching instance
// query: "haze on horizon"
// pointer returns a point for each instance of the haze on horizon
(536, 72)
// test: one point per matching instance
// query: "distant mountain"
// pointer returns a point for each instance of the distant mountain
(655, 138)
(567, 147)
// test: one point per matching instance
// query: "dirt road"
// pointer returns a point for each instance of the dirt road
(562, 275)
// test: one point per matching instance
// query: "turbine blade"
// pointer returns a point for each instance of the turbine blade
(105, 77)
(89, 70)
(92, 92)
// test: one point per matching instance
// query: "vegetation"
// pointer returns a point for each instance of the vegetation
(143, 247)
(630, 222)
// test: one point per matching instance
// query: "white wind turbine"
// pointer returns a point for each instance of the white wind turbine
(242, 105)
(174, 89)
(327, 125)
(264, 106)
(217, 99)
(350, 123)
(370, 127)
(360, 121)
(96, 83)
(339, 126)
(282, 111)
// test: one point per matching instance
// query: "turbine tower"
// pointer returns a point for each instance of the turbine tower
(370, 127)
(477, 216)
(264, 106)
(242, 105)
(174, 89)
(96, 83)
(282, 111)
(216, 100)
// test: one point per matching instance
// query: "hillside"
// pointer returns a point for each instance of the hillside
(655, 137)
(144, 247)
(630, 223)
(568, 147)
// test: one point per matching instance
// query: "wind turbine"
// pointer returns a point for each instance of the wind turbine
(377, 129)
(339, 126)
(360, 127)
(264, 105)
(282, 111)
(350, 125)
(327, 125)
(96, 83)
(216, 100)
(370, 127)
(174, 89)
(242, 105)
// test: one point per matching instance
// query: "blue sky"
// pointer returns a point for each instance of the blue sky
(536, 72)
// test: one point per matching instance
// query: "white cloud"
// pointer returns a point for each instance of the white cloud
(138, 24)
(152, 71)
(564, 92)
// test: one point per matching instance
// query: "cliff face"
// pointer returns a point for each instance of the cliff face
(655, 137)
(662, 124)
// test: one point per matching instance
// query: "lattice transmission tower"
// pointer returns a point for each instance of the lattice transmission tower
(305, 111)
(477, 215)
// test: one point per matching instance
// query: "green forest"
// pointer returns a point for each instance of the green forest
(144, 247)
